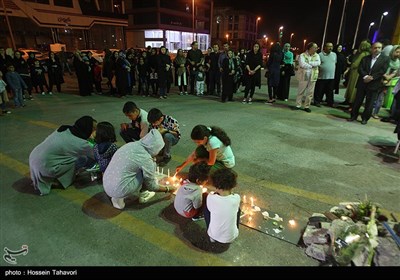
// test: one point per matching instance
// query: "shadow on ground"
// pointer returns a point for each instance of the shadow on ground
(384, 149)
(192, 232)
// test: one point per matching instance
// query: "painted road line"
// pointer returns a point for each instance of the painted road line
(138, 227)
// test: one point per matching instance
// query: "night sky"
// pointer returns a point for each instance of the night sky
(306, 18)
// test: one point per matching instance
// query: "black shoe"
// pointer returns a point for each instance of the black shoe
(351, 120)
(364, 122)
(308, 110)
(317, 104)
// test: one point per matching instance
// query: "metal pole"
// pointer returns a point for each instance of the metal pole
(358, 23)
(341, 23)
(326, 22)
(193, 20)
(9, 26)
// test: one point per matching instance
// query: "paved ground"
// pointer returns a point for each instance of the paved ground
(292, 162)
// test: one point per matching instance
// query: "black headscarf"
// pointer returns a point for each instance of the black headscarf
(82, 128)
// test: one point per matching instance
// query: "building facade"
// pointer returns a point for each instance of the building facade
(238, 27)
(174, 24)
(79, 24)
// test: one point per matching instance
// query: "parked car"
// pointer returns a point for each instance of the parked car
(98, 55)
(38, 55)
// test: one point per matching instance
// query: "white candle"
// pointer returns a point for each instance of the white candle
(162, 170)
(168, 172)
(244, 199)
(252, 201)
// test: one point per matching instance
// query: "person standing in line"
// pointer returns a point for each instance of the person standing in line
(287, 71)
(307, 75)
(369, 84)
(195, 58)
(340, 67)
(326, 76)
(253, 73)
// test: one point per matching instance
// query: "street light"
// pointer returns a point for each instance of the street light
(280, 34)
(258, 19)
(193, 19)
(291, 36)
(304, 44)
(380, 22)
(369, 28)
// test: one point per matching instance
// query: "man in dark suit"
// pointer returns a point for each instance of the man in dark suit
(369, 84)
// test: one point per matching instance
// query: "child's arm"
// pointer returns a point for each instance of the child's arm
(212, 158)
(190, 159)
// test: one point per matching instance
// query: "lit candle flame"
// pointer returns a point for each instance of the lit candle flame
(292, 223)
(252, 201)
(244, 199)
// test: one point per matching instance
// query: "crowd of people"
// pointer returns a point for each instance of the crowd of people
(150, 136)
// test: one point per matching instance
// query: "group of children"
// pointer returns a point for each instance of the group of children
(212, 160)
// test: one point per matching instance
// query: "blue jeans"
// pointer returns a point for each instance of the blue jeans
(169, 140)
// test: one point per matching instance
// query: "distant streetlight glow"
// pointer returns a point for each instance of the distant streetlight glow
(280, 34)
(291, 36)
(304, 44)
(227, 37)
(380, 23)
(369, 28)
(258, 19)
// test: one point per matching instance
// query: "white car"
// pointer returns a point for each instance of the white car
(98, 55)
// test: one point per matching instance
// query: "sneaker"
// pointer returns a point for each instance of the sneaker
(118, 203)
(308, 110)
(165, 97)
(145, 196)
(50, 93)
(181, 93)
(30, 97)
(198, 218)
(244, 101)
(286, 100)
(375, 116)
(249, 101)
(43, 93)
(6, 112)
(212, 240)
(94, 168)
(186, 93)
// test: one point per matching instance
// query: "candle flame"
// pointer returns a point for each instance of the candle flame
(292, 223)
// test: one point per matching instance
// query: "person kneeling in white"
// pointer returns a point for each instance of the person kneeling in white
(132, 171)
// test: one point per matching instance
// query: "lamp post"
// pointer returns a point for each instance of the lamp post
(380, 22)
(291, 36)
(304, 44)
(258, 19)
(193, 19)
(369, 28)
(280, 34)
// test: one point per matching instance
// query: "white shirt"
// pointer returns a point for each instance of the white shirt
(223, 217)
(224, 153)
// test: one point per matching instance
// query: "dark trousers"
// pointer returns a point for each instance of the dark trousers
(370, 97)
(324, 87)
(215, 82)
(284, 86)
